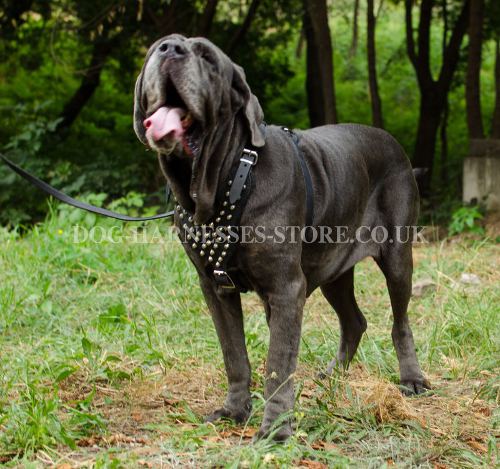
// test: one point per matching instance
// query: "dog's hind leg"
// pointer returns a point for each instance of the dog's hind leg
(340, 294)
(397, 265)
(227, 315)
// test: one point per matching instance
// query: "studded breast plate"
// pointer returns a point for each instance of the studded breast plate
(216, 241)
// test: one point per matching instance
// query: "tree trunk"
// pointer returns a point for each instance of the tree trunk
(443, 133)
(495, 122)
(207, 18)
(444, 144)
(472, 83)
(429, 119)
(355, 31)
(88, 85)
(320, 79)
(433, 93)
(376, 103)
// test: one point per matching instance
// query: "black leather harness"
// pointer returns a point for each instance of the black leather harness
(216, 241)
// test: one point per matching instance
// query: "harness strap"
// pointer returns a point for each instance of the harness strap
(247, 160)
(73, 202)
(307, 177)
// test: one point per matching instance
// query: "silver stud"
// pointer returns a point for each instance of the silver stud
(217, 219)
(230, 182)
(212, 252)
(229, 217)
(197, 239)
(194, 245)
(232, 207)
(227, 194)
(219, 239)
(220, 259)
(226, 247)
(222, 212)
(202, 253)
(244, 186)
(181, 215)
(204, 246)
(224, 203)
(210, 259)
(217, 264)
(216, 245)
(190, 219)
(209, 242)
(223, 253)
(211, 225)
(188, 236)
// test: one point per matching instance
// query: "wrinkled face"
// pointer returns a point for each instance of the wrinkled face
(179, 94)
(193, 103)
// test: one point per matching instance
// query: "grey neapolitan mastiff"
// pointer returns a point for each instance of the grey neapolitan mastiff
(195, 109)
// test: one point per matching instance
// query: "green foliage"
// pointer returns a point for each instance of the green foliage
(464, 220)
(38, 419)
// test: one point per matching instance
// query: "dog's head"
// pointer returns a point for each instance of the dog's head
(188, 97)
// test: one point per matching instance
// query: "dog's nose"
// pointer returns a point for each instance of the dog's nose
(172, 49)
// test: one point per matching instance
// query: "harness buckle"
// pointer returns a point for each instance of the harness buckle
(250, 156)
(222, 279)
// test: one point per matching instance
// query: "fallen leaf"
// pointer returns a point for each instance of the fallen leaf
(141, 462)
(239, 432)
(325, 445)
(438, 465)
(312, 464)
(477, 446)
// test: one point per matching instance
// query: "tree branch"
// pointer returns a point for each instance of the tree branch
(91, 79)
(452, 53)
(424, 30)
(410, 42)
(243, 29)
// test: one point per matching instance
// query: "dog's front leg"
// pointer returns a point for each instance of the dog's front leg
(228, 319)
(284, 306)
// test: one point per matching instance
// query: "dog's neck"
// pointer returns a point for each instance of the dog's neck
(196, 191)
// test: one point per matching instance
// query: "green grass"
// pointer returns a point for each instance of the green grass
(109, 359)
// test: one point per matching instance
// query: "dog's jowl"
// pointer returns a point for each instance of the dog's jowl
(352, 187)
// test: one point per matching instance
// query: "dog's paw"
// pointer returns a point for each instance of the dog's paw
(279, 435)
(240, 416)
(412, 387)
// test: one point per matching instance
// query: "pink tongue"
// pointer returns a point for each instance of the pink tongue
(165, 121)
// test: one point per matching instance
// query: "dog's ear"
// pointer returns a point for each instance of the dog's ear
(242, 94)
(139, 115)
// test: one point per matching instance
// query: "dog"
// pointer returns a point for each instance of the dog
(193, 106)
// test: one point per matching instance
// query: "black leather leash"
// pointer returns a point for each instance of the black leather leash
(248, 159)
(73, 202)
